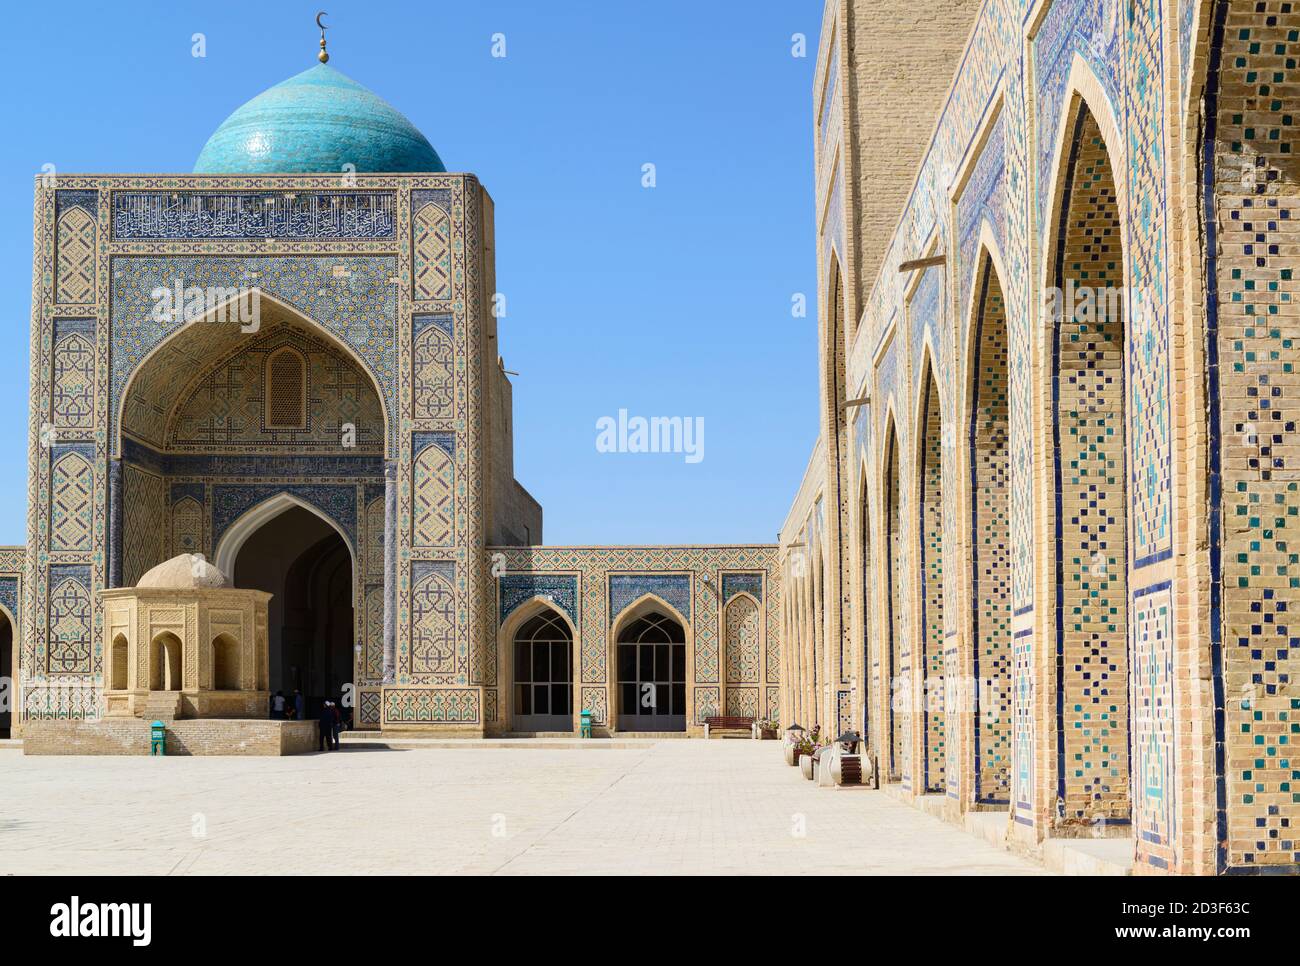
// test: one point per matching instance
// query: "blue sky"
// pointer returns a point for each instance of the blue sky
(671, 301)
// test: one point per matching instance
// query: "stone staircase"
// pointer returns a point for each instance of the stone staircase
(162, 706)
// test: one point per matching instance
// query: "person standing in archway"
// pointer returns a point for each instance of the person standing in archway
(326, 728)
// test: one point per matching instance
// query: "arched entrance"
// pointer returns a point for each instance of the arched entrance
(651, 660)
(222, 429)
(166, 670)
(300, 558)
(990, 523)
(542, 656)
(931, 559)
(898, 676)
(1091, 522)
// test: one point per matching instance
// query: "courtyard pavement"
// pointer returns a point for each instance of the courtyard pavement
(675, 807)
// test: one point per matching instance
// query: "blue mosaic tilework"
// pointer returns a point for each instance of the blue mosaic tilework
(926, 314)
(515, 589)
(88, 201)
(360, 308)
(9, 599)
(444, 441)
(1090, 28)
(231, 500)
(983, 199)
(675, 589)
(1149, 374)
(733, 584)
(1186, 14)
(194, 491)
(438, 196)
(231, 216)
(251, 465)
(421, 321)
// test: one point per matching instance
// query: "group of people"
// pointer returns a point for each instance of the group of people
(288, 708)
(331, 719)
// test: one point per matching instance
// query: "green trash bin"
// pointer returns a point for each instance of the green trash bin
(157, 738)
(586, 724)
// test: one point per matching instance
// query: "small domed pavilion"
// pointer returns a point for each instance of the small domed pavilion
(184, 643)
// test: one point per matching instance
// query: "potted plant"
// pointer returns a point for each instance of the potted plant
(805, 748)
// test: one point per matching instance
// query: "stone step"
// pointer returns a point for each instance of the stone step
(1108, 856)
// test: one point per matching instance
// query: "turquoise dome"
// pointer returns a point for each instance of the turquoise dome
(314, 122)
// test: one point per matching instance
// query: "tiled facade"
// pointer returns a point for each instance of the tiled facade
(1115, 573)
(154, 434)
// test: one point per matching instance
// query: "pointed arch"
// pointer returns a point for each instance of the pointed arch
(507, 664)
(1086, 496)
(742, 644)
(649, 605)
(988, 482)
(931, 435)
(215, 333)
(898, 668)
(1084, 93)
(254, 518)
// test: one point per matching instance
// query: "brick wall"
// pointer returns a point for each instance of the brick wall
(1257, 202)
(131, 736)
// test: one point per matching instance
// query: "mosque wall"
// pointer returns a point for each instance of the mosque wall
(149, 434)
(1109, 661)
(726, 598)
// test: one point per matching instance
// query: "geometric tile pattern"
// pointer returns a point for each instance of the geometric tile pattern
(560, 589)
(741, 618)
(431, 242)
(433, 621)
(76, 257)
(69, 621)
(434, 361)
(72, 499)
(1091, 558)
(1256, 217)
(1153, 725)
(225, 407)
(435, 486)
(611, 578)
(73, 405)
(930, 530)
(991, 546)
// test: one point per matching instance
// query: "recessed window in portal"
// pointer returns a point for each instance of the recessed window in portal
(543, 655)
(652, 675)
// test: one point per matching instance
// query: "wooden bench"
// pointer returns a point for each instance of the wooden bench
(728, 726)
